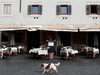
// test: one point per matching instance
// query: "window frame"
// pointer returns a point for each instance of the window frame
(96, 9)
(61, 10)
(32, 9)
(2, 13)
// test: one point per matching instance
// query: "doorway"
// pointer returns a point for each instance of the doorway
(33, 39)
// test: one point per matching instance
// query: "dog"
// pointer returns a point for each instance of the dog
(50, 66)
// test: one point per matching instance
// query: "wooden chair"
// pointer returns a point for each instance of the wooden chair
(90, 51)
(6, 53)
(63, 55)
(72, 56)
(22, 50)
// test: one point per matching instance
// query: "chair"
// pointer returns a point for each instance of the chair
(90, 51)
(6, 53)
(22, 50)
(63, 55)
(72, 55)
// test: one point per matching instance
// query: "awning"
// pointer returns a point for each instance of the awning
(90, 28)
(59, 28)
(12, 27)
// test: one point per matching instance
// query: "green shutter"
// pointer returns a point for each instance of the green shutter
(58, 10)
(87, 9)
(98, 8)
(69, 9)
(40, 9)
(29, 9)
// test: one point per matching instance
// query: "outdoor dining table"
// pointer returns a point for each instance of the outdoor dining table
(20, 48)
(43, 53)
(69, 53)
(1, 51)
(39, 52)
(94, 52)
(13, 49)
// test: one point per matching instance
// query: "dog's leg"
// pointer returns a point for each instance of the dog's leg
(43, 72)
(47, 70)
(55, 69)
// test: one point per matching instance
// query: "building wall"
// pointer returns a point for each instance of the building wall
(78, 17)
(49, 17)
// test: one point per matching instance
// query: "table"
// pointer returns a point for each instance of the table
(1, 51)
(94, 52)
(39, 52)
(13, 49)
(21, 48)
(43, 53)
(69, 53)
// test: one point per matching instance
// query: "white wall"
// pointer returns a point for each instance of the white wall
(48, 16)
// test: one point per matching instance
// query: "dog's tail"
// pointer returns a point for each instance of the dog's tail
(57, 64)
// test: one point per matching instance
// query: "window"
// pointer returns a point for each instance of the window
(7, 9)
(34, 9)
(4, 36)
(63, 10)
(92, 9)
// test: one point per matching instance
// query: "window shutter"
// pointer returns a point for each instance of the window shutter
(87, 9)
(40, 9)
(29, 9)
(58, 9)
(98, 8)
(69, 9)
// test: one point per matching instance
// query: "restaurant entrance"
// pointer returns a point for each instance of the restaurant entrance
(33, 39)
(90, 39)
(65, 38)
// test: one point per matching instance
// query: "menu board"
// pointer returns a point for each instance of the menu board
(50, 43)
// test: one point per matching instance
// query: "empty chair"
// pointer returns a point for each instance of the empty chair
(6, 53)
(89, 51)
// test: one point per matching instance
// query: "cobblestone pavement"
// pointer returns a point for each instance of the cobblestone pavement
(23, 64)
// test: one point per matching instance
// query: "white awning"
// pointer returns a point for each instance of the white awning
(12, 27)
(59, 28)
(90, 28)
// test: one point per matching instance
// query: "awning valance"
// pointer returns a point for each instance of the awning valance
(12, 27)
(95, 27)
(59, 28)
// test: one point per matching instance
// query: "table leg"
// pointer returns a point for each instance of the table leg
(46, 57)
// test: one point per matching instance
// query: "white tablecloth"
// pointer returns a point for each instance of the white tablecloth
(35, 50)
(1, 51)
(95, 49)
(19, 47)
(67, 51)
(39, 51)
(13, 49)
(43, 52)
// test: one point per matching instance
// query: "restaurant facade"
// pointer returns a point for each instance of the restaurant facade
(36, 14)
